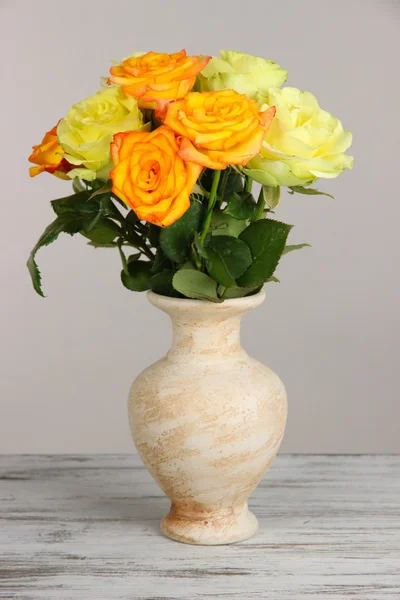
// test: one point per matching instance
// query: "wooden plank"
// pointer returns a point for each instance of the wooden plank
(87, 527)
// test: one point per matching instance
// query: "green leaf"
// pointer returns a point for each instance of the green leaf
(68, 223)
(227, 259)
(75, 203)
(175, 240)
(187, 265)
(295, 247)
(93, 210)
(133, 257)
(271, 195)
(194, 284)
(299, 189)
(223, 224)
(35, 275)
(235, 183)
(92, 222)
(218, 271)
(266, 240)
(104, 208)
(100, 245)
(240, 292)
(104, 232)
(242, 206)
(137, 278)
(161, 283)
(161, 262)
(273, 279)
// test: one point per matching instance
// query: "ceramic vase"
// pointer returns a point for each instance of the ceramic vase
(207, 421)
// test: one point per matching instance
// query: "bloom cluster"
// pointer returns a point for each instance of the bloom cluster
(158, 136)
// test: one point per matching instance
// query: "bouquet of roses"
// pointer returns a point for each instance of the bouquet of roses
(162, 162)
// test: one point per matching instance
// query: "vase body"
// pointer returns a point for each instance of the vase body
(207, 421)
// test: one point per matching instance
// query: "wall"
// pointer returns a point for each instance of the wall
(330, 328)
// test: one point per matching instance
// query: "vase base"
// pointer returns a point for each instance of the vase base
(212, 529)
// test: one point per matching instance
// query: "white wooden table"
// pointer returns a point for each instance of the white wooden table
(80, 527)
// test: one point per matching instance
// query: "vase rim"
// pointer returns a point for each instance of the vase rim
(240, 304)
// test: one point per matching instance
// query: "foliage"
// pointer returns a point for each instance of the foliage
(308, 191)
(238, 254)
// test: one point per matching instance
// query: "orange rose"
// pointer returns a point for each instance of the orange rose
(48, 157)
(218, 128)
(155, 79)
(150, 177)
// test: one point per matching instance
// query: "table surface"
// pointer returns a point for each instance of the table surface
(87, 526)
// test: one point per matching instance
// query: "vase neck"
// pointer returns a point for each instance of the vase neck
(193, 335)
(205, 328)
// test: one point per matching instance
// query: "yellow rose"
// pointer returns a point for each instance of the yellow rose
(150, 177)
(155, 79)
(218, 128)
(87, 129)
(246, 74)
(303, 143)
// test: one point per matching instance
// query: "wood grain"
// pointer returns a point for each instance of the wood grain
(87, 527)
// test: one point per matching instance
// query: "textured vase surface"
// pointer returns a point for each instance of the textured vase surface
(207, 421)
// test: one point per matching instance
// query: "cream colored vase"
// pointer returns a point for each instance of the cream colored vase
(207, 420)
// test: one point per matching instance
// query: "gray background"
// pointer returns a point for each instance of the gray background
(330, 328)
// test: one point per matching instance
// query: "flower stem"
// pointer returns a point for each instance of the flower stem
(224, 181)
(260, 206)
(249, 184)
(122, 255)
(146, 251)
(211, 203)
(142, 228)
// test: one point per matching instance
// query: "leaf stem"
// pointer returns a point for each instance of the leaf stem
(211, 204)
